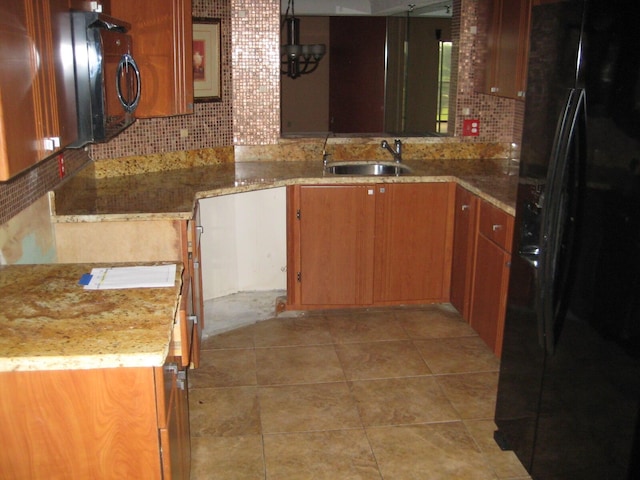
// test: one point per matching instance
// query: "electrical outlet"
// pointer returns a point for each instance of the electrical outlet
(471, 127)
(61, 169)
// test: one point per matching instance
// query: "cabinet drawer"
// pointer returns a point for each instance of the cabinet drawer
(496, 225)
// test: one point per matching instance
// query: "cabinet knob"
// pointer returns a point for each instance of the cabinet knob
(496, 227)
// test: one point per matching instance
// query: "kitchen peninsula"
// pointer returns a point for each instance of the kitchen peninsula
(89, 378)
(139, 206)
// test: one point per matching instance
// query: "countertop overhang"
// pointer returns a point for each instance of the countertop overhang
(50, 322)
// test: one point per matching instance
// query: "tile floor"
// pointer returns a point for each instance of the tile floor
(402, 393)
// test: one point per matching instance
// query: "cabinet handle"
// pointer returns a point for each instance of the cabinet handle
(465, 207)
(496, 227)
(193, 318)
(495, 89)
(200, 229)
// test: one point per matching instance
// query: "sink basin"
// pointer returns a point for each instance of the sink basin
(363, 168)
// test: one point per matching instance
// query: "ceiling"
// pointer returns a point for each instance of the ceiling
(427, 8)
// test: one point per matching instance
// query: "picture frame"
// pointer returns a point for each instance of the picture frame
(207, 77)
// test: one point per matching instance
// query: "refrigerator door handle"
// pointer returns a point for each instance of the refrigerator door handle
(556, 226)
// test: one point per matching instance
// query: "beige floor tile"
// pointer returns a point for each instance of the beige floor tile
(237, 458)
(238, 338)
(278, 332)
(433, 451)
(224, 368)
(292, 365)
(365, 327)
(381, 360)
(504, 463)
(224, 411)
(333, 455)
(437, 321)
(473, 395)
(402, 401)
(300, 408)
(457, 355)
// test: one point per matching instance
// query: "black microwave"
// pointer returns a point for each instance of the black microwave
(108, 85)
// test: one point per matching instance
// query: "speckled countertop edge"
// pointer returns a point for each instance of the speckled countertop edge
(171, 194)
(49, 322)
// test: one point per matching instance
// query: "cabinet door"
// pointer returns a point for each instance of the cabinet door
(466, 209)
(334, 260)
(162, 46)
(37, 99)
(490, 292)
(414, 228)
(508, 48)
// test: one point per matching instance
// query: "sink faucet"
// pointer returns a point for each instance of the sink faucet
(397, 154)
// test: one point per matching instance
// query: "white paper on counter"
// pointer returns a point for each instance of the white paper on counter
(152, 276)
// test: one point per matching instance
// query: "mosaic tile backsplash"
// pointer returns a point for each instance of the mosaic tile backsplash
(248, 113)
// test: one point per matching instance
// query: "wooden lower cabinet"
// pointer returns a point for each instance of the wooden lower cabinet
(489, 292)
(491, 275)
(356, 245)
(334, 244)
(100, 423)
(414, 228)
(464, 236)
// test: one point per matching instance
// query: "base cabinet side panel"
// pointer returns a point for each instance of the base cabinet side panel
(79, 424)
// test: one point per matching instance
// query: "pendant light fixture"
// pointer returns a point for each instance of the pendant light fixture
(298, 59)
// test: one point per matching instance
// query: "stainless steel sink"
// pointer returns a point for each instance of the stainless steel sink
(366, 168)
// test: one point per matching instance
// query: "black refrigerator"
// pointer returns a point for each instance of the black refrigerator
(569, 388)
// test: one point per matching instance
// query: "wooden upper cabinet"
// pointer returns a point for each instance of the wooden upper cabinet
(162, 46)
(37, 86)
(508, 44)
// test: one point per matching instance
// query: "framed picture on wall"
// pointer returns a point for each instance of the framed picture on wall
(206, 60)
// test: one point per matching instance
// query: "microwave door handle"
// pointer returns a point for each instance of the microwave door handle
(127, 61)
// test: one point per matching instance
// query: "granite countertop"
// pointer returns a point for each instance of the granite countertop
(170, 193)
(49, 322)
